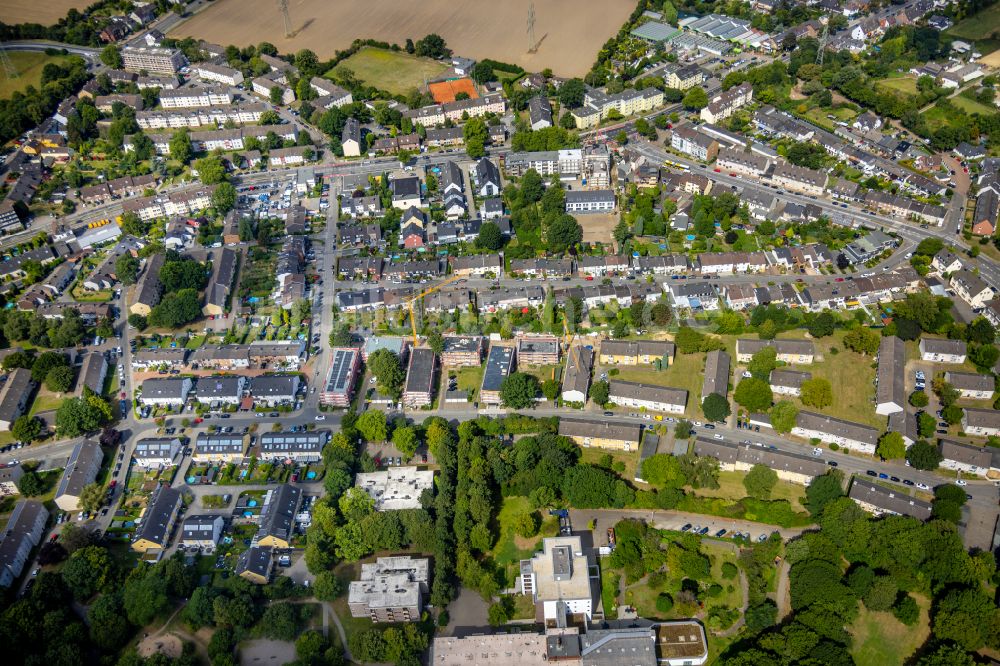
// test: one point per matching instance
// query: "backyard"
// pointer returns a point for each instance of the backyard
(511, 548)
(685, 372)
(393, 71)
(731, 487)
(903, 84)
(469, 379)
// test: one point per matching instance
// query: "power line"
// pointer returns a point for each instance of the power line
(283, 8)
(8, 67)
(532, 47)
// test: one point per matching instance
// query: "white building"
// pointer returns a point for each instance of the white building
(559, 580)
(396, 487)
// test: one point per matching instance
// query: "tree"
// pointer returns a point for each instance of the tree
(763, 362)
(753, 394)
(405, 439)
(822, 490)
(563, 233)
(490, 237)
(108, 627)
(661, 314)
(599, 392)
(821, 325)
(31, 484)
(518, 390)
(372, 426)
(683, 429)
(817, 392)
(925, 424)
(984, 357)
(567, 121)
(532, 187)
(967, 616)
(882, 594)
(45, 362)
(92, 497)
(180, 146)
(923, 455)
(783, 416)
(863, 340)
(224, 198)
(176, 309)
(88, 571)
(137, 321)
(952, 414)
(715, 407)
(571, 94)
(526, 524)
(78, 416)
(210, 169)
(550, 389)
(60, 379)
(385, 366)
(111, 56)
(760, 481)
(919, 399)
(695, 99)
(891, 446)
(476, 136)
(26, 428)
(127, 269)
(662, 470)
(432, 46)
(436, 342)
(944, 654)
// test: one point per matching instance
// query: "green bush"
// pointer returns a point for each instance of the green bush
(664, 603)
(729, 570)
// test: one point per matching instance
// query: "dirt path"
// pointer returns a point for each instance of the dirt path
(745, 590)
(782, 596)
(340, 629)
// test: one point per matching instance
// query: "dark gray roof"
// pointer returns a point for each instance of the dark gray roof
(199, 527)
(256, 560)
(223, 444)
(158, 514)
(293, 442)
(277, 518)
(84, 462)
(717, 364)
(896, 501)
(889, 377)
(627, 432)
(499, 364)
(420, 371)
(13, 392)
(274, 385)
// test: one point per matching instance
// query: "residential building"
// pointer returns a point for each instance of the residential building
(799, 179)
(350, 138)
(576, 378)
(601, 434)
(795, 352)
(478, 265)
(946, 262)
(972, 289)
(965, 458)
(717, 373)
(255, 564)
(418, 390)
(391, 589)
(396, 488)
(221, 389)
(15, 395)
(81, 469)
(559, 581)
(939, 350)
(972, 385)
(539, 113)
(984, 219)
(463, 351)
(890, 389)
(590, 201)
(202, 532)
(23, 531)
(186, 98)
(648, 396)
(742, 162)
(207, 71)
(277, 517)
(157, 520)
(156, 452)
(10, 475)
(217, 293)
(538, 350)
(981, 422)
(637, 352)
(300, 447)
(219, 448)
(499, 365)
(325, 88)
(690, 141)
(487, 178)
(855, 436)
(788, 382)
(338, 390)
(792, 467)
(272, 390)
(881, 500)
(726, 103)
(154, 60)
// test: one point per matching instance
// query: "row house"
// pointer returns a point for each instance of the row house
(788, 382)
(743, 163)
(182, 98)
(799, 179)
(639, 352)
(695, 296)
(739, 296)
(939, 350)
(690, 141)
(967, 458)
(793, 467)
(567, 161)
(981, 422)
(438, 114)
(597, 104)
(904, 207)
(601, 266)
(414, 269)
(542, 267)
(506, 298)
(391, 145)
(22, 533)
(363, 206)
(477, 265)
(358, 235)
(648, 397)
(590, 201)
(713, 263)
(337, 96)
(228, 76)
(664, 264)
(538, 350)
(290, 156)
(263, 85)
(448, 300)
(463, 350)
(237, 114)
(774, 122)
(854, 436)
(794, 352)
(725, 104)
(881, 500)
(972, 385)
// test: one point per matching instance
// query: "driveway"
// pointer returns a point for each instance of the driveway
(467, 614)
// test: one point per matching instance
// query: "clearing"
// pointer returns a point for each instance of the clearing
(882, 640)
(510, 548)
(731, 487)
(569, 33)
(597, 227)
(982, 25)
(903, 84)
(395, 71)
(29, 65)
(32, 11)
(971, 106)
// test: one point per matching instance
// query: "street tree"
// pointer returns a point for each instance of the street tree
(715, 407)
(891, 446)
(817, 392)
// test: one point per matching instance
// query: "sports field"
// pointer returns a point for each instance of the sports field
(29, 65)
(48, 12)
(982, 25)
(445, 91)
(395, 71)
(568, 33)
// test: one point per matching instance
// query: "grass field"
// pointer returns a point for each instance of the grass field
(569, 33)
(45, 13)
(46, 401)
(29, 65)
(978, 26)
(903, 84)
(686, 372)
(971, 106)
(731, 487)
(470, 379)
(882, 640)
(937, 117)
(510, 548)
(851, 376)
(394, 71)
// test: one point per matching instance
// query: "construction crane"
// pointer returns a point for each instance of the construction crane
(412, 302)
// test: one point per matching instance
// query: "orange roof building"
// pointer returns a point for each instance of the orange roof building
(445, 91)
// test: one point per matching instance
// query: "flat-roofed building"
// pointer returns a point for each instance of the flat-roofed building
(576, 379)
(157, 452)
(202, 531)
(793, 467)
(558, 580)
(965, 457)
(463, 351)
(255, 564)
(277, 517)
(796, 352)
(81, 470)
(716, 380)
(972, 384)
(880, 500)
(219, 448)
(942, 351)
(647, 396)
(338, 390)
(788, 382)
(890, 389)
(157, 521)
(855, 436)
(499, 365)
(636, 352)
(520, 648)
(418, 391)
(538, 350)
(14, 396)
(391, 589)
(396, 488)
(20, 535)
(303, 447)
(681, 643)
(10, 475)
(602, 434)
(981, 422)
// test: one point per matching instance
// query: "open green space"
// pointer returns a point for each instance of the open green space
(938, 117)
(981, 25)
(595, 456)
(851, 375)
(731, 487)
(394, 71)
(46, 401)
(882, 640)
(971, 106)
(29, 66)
(820, 116)
(469, 379)
(903, 84)
(685, 372)
(511, 548)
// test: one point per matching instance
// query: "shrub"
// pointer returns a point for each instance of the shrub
(664, 602)
(729, 570)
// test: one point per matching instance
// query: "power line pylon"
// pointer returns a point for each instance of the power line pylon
(824, 36)
(283, 8)
(8, 67)
(532, 46)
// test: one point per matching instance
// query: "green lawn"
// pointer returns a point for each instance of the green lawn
(46, 401)
(394, 71)
(971, 106)
(981, 25)
(510, 548)
(903, 84)
(686, 372)
(818, 115)
(731, 487)
(469, 379)
(851, 375)
(29, 65)
(882, 640)
(937, 117)
(630, 460)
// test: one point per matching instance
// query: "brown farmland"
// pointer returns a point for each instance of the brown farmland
(48, 12)
(570, 32)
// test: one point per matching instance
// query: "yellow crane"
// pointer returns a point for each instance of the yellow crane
(429, 290)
